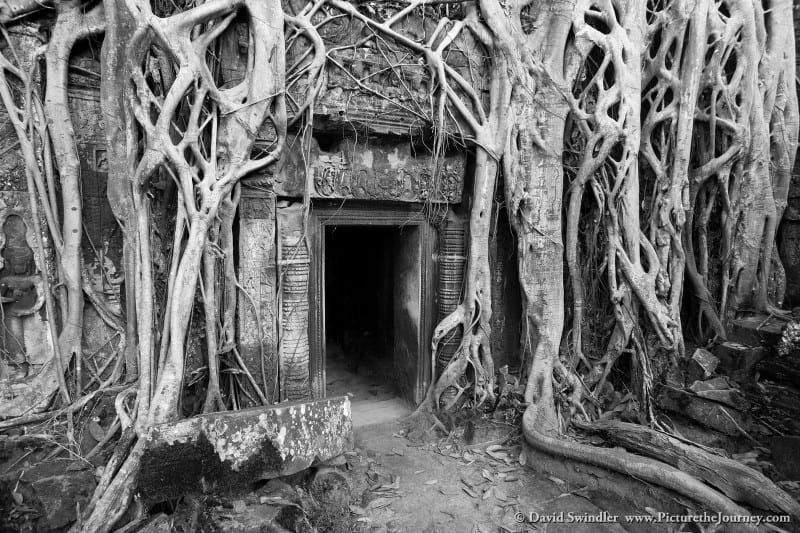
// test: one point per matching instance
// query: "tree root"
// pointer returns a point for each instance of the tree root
(735, 480)
(642, 468)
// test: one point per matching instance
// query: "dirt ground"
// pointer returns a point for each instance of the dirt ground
(390, 484)
(445, 487)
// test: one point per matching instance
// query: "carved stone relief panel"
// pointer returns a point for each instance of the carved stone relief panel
(27, 369)
(357, 170)
(258, 335)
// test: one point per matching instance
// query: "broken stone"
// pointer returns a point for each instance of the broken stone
(717, 383)
(711, 414)
(755, 330)
(785, 456)
(220, 451)
(719, 390)
(704, 363)
(730, 397)
(738, 360)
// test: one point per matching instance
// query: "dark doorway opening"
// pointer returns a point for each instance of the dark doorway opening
(359, 311)
(371, 300)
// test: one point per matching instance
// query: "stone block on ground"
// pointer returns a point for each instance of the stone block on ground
(718, 389)
(709, 413)
(703, 363)
(232, 450)
(738, 361)
(755, 330)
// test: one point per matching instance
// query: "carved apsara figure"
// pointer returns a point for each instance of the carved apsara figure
(18, 294)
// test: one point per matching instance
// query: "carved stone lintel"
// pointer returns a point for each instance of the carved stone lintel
(363, 172)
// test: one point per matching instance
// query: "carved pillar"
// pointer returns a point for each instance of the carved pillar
(452, 260)
(258, 303)
(294, 263)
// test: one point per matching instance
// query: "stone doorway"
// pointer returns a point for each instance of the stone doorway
(371, 303)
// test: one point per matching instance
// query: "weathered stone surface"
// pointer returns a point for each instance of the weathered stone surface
(754, 330)
(233, 449)
(719, 390)
(709, 413)
(738, 361)
(258, 313)
(702, 364)
(363, 170)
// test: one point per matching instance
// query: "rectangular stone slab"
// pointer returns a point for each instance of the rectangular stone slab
(230, 450)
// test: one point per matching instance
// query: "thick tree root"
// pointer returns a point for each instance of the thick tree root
(642, 468)
(734, 479)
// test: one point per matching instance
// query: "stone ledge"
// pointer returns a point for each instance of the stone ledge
(229, 450)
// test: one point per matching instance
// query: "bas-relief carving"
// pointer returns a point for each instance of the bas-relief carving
(361, 172)
(257, 303)
(27, 372)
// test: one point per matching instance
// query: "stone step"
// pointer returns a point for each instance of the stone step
(230, 450)
(755, 330)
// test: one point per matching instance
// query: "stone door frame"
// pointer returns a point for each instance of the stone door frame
(354, 213)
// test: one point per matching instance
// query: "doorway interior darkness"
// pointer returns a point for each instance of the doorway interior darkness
(371, 302)
(359, 310)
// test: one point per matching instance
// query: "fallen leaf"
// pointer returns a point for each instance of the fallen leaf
(395, 451)
(500, 456)
(432, 482)
(470, 492)
(378, 503)
(485, 473)
(557, 481)
(419, 471)
(523, 459)
(487, 494)
(469, 457)
(18, 499)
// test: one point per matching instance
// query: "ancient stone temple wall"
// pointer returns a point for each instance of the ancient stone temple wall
(27, 369)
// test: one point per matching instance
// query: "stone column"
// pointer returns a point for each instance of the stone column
(258, 335)
(294, 263)
(452, 260)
